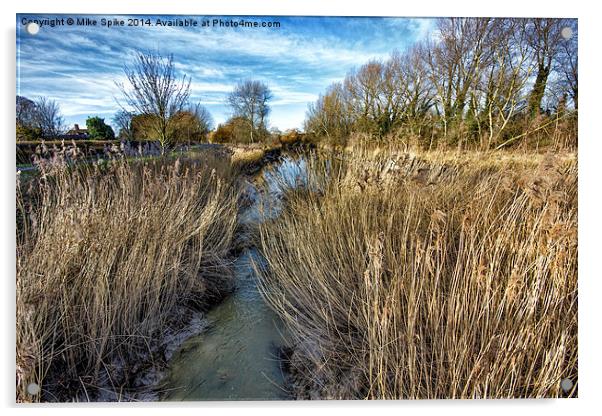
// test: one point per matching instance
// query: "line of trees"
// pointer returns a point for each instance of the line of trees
(156, 105)
(192, 124)
(489, 81)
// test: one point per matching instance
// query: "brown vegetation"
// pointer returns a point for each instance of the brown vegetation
(292, 137)
(234, 130)
(184, 127)
(106, 256)
(437, 276)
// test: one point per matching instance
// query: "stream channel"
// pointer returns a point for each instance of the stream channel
(236, 357)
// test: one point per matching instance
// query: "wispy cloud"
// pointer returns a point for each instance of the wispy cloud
(78, 66)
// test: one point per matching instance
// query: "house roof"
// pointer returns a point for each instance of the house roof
(76, 131)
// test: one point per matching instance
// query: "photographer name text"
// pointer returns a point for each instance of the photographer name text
(115, 22)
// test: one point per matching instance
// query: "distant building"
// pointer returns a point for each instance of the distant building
(77, 133)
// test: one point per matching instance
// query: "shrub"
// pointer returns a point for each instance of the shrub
(98, 129)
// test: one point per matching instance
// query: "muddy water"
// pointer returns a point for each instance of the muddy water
(236, 358)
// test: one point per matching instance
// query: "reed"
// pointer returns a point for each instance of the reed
(442, 275)
(108, 257)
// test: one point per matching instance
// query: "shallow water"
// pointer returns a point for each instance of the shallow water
(236, 358)
(268, 197)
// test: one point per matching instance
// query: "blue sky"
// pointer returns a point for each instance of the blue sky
(77, 66)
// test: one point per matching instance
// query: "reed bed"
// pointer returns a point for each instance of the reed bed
(109, 258)
(410, 277)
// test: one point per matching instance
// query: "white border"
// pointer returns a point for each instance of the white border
(589, 196)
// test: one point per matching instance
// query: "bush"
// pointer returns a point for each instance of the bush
(235, 130)
(25, 133)
(98, 129)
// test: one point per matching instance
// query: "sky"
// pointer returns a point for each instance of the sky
(78, 65)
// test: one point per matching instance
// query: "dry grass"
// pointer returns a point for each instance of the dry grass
(106, 257)
(244, 155)
(439, 277)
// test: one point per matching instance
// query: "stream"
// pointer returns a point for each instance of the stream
(236, 358)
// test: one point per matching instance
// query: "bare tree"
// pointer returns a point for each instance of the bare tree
(48, 117)
(123, 121)
(330, 115)
(417, 92)
(154, 90)
(364, 88)
(504, 81)
(567, 64)
(544, 37)
(455, 65)
(203, 118)
(479, 80)
(249, 100)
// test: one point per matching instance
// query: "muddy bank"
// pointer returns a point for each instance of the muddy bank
(136, 376)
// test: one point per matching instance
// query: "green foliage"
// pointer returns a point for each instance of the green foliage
(25, 132)
(98, 129)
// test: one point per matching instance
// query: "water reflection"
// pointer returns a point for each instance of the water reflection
(267, 200)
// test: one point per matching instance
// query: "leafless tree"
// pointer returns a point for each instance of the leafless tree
(545, 39)
(477, 80)
(330, 116)
(504, 81)
(249, 100)
(48, 117)
(123, 121)
(456, 62)
(417, 92)
(567, 63)
(203, 118)
(363, 89)
(154, 90)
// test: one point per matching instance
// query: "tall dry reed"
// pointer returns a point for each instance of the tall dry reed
(107, 257)
(412, 279)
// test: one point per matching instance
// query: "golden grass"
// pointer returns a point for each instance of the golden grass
(106, 256)
(244, 155)
(443, 276)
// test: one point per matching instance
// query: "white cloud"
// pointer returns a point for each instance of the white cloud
(78, 68)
